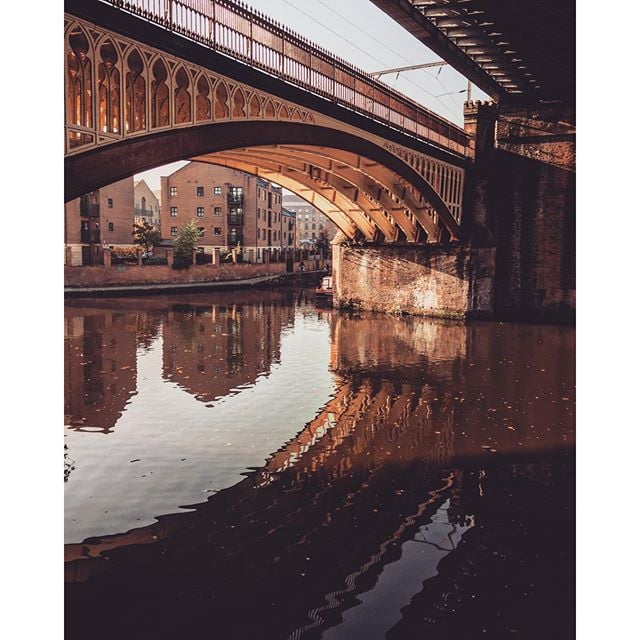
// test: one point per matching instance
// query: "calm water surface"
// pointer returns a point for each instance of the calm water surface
(246, 465)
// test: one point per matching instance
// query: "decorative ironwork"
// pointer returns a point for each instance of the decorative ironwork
(118, 88)
(158, 91)
(234, 29)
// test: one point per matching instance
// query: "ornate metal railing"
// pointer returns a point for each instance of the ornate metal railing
(251, 37)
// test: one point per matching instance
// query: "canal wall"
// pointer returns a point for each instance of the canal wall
(453, 281)
(139, 276)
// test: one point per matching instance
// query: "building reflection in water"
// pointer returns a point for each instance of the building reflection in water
(211, 350)
(99, 367)
(208, 349)
(432, 494)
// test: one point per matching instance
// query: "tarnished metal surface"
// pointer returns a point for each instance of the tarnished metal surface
(119, 88)
(232, 28)
(514, 51)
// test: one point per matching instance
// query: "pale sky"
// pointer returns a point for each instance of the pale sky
(365, 36)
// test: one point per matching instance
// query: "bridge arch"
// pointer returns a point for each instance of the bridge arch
(373, 212)
(347, 213)
(417, 200)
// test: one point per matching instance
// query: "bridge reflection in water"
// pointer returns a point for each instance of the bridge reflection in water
(431, 492)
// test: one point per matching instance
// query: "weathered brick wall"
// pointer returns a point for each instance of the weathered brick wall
(414, 341)
(163, 274)
(72, 223)
(452, 282)
(532, 204)
(120, 214)
(187, 179)
(534, 218)
(186, 201)
(522, 200)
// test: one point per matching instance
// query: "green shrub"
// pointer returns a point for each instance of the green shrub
(187, 241)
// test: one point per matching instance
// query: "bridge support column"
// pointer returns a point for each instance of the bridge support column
(452, 281)
(479, 123)
(520, 197)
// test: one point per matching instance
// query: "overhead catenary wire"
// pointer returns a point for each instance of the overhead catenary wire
(367, 53)
(353, 24)
(453, 92)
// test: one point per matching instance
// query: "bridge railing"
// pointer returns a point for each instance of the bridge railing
(235, 30)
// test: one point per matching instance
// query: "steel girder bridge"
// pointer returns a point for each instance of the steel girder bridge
(148, 82)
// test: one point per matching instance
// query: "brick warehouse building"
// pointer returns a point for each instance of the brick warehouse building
(230, 207)
(310, 221)
(290, 226)
(102, 218)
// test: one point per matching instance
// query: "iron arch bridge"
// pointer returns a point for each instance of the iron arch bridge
(150, 82)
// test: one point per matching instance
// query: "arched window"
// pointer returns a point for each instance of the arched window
(159, 96)
(108, 89)
(182, 97)
(136, 94)
(79, 108)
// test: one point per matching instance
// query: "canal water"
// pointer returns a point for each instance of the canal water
(246, 465)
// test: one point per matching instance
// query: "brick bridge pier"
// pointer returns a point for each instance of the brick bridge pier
(516, 257)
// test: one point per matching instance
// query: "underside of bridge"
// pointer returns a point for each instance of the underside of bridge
(140, 96)
(520, 196)
(492, 206)
(366, 200)
(368, 192)
(516, 52)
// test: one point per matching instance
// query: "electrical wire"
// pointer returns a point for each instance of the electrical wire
(368, 54)
(453, 92)
(353, 24)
